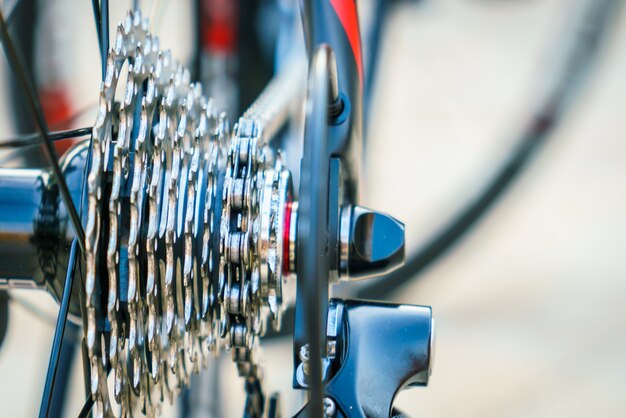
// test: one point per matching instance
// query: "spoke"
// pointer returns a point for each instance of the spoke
(197, 64)
(59, 331)
(84, 412)
(104, 34)
(35, 107)
(97, 13)
(88, 405)
(96, 17)
(35, 138)
(13, 11)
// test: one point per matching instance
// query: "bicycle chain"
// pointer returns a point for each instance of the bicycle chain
(192, 262)
(254, 201)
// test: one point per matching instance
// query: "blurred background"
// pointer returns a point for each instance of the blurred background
(529, 304)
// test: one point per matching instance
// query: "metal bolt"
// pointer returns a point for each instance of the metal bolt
(304, 358)
(329, 408)
(331, 349)
(304, 353)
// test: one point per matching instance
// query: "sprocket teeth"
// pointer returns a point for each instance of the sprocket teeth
(186, 213)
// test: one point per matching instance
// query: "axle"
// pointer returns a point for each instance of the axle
(35, 232)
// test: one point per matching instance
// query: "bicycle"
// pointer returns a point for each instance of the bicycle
(181, 234)
(343, 243)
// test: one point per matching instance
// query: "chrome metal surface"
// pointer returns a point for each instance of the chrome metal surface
(329, 408)
(371, 243)
(177, 243)
(20, 208)
(157, 302)
(34, 227)
(344, 242)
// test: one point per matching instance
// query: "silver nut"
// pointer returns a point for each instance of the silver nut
(329, 408)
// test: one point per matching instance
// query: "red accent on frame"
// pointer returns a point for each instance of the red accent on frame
(219, 21)
(57, 109)
(219, 37)
(346, 11)
(286, 233)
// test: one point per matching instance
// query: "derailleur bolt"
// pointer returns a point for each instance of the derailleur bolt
(329, 408)
(304, 358)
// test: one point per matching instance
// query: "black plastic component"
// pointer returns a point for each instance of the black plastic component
(375, 244)
(384, 349)
(322, 26)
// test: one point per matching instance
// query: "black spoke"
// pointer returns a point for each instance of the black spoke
(35, 138)
(13, 11)
(59, 331)
(96, 16)
(197, 63)
(101, 18)
(88, 405)
(86, 410)
(35, 106)
(104, 33)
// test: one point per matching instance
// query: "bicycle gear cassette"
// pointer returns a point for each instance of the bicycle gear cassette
(185, 236)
